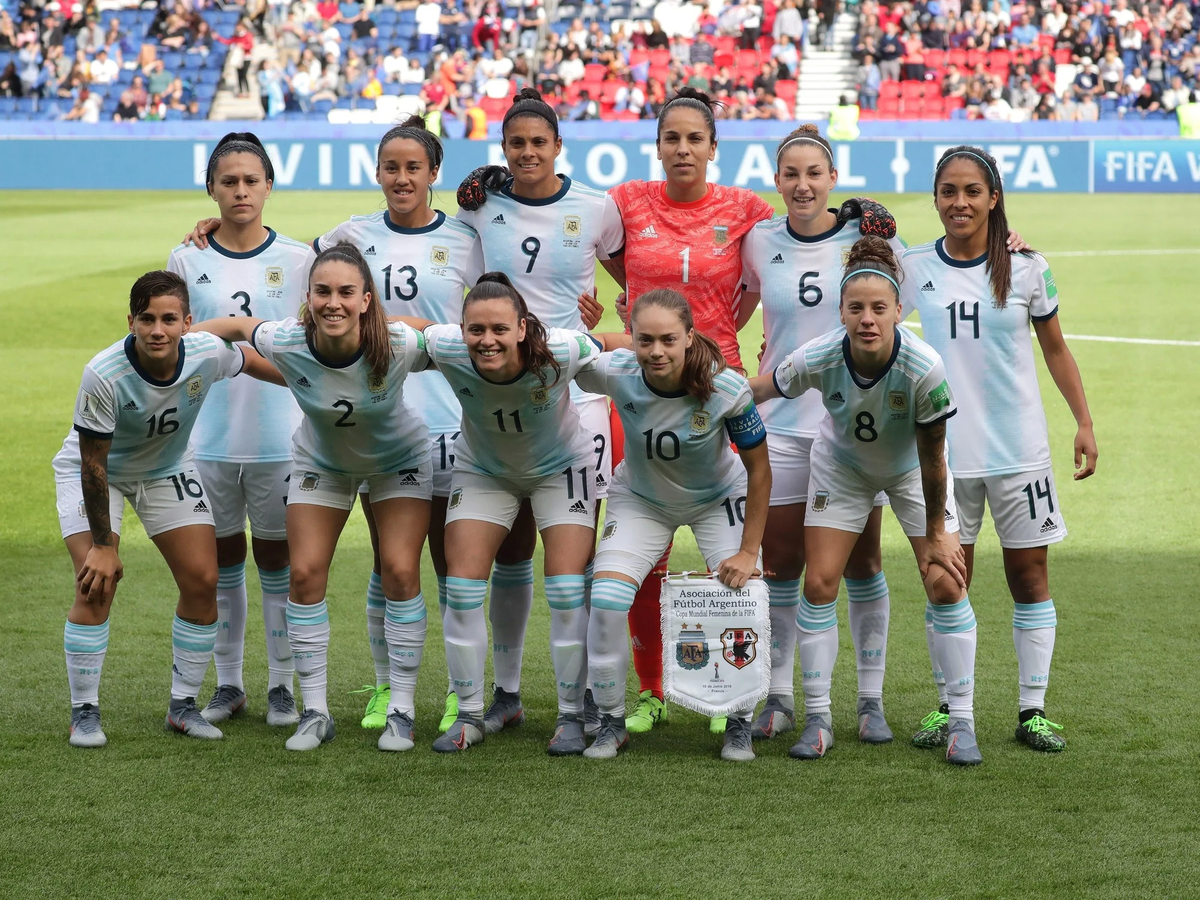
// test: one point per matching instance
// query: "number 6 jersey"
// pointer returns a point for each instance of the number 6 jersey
(871, 424)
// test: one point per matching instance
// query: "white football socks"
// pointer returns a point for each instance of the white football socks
(1034, 629)
(465, 632)
(818, 642)
(608, 643)
(230, 647)
(954, 637)
(280, 667)
(376, 609)
(568, 639)
(191, 649)
(308, 631)
(785, 597)
(508, 611)
(869, 614)
(85, 646)
(939, 677)
(404, 627)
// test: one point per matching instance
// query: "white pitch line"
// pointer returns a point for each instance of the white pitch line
(1108, 339)
(1051, 254)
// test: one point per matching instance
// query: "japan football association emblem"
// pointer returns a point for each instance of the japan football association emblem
(739, 646)
(720, 235)
(439, 256)
(572, 226)
(274, 277)
(691, 650)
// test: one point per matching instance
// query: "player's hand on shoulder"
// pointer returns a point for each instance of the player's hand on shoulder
(623, 308)
(199, 234)
(873, 217)
(590, 309)
(472, 190)
(738, 569)
(1016, 244)
(1085, 452)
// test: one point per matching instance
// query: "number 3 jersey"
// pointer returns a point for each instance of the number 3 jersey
(522, 427)
(245, 420)
(424, 273)
(148, 421)
(800, 281)
(354, 423)
(871, 422)
(677, 449)
(988, 353)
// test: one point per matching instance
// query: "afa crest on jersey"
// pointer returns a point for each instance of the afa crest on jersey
(376, 383)
(700, 420)
(275, 277)
(194, 385)
(897, 402)
(572, 226)
(439, 256)
(720, 235)
(539, 395)
(691, 650)
(739, 646)
(820, 501)
(310, 481)
(610, 528)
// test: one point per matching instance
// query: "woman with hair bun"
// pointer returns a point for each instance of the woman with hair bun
(887, 401)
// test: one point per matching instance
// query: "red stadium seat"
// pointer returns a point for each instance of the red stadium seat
(976, 58)
(1001, 71)
(494, 108)
(608, 91)
(659, 72)
(909, 114)
(935, 59)
(889, 108)
(722, 58)
(747, 59)
(999, 58)
(765, 43)
(785, 89)
(1062, 57)
(912, 89)
(889, 89)
(747, 74)
(727, 44)
(660, 57)
(867, 115)
(638, 55)
(953, 103)
(627, 116)
(595, 72)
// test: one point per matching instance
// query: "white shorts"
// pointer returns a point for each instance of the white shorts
(163, 504)
(314, 486)
(636, 532)
(1024, 507)
(791, 469)
(260, 489)
(442, 458)
(564, 498)
(841, 497)
(593, 415)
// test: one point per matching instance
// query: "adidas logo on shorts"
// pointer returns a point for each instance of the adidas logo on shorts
(409, 479)
(203, 279)
(580, 507)
(837, 397)
(200, 507)
(629, 407)
(1049, 525)
(927, 286)
(648, 232)
(466, 392)
(778, 259)
(370, 251)
(131, 406)
(499, 220)
(303, 382)
(601, 481)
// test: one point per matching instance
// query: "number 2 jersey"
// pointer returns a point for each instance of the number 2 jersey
(677, 451)
(354, 423)
(988, 353)
(148, 421)
(799, 279)
(245, 420)
(871, 422)
(424, 273)
(520, 428)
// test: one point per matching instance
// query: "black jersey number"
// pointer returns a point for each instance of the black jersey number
(184, 485)
(601, 447)
(243, 299)
(163, 424)
(810, 294)
(344, 421)
(1035, 491)
(664, 445)
(735, 509)
(447, 455)
(583, 481)
(960, 314)
(531, 246)
(409, 283)
(515, 415)
(865, 427)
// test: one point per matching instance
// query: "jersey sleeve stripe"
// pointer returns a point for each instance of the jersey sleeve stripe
(1047, 317)
(942, 418)
(254, 333)
(96, 435)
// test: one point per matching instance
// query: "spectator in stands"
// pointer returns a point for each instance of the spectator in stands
(1111, 71)
(703, 52)
(1154, 60)
(1175, 95)
(241, 46)
(997, 109)
(1025, 97)
(530, 19)
(202, 40)
(487, 33)
(681, 50)
(414, 74)
(789, 23)
(137, 90)
(1053, 21)
(127, 110)
(656, 98)
(394, 65)
(103, 70)
(158, 79)
(1148, 101)
(722, 82)
(1046, 109)
(577, 35)
(452, 22)
(1086, 110)
(8, 33)
(571, 69)
(547, 73)
(657, 39)
(771, 106)
(867, 82)
(86, 108)
(1130, 43)
(175, 31)
(766, 78)
(699, 79)
(10, 82)
(914, 55)
(1043, 78)
(785, 54)
(890, 52)
(586, 108)
(325, 87)
(1087, 80)
(429, 25)
(751, 24)
(629, 97)
(270, 82)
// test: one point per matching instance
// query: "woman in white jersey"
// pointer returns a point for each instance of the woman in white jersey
(137, 404)
(243, 437)
(794, 264)
(521, 440)
(675, 389)
(546, 232)
(977, 304)
(887, 401)
(346, 367)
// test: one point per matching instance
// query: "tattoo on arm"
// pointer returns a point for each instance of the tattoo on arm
(93, 453)
(931, 444)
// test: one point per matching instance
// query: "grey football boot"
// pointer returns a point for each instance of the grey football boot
(184, 717)
(961, 747)
(739, 746)
(872, 726)
(591, 714)
(568, 737)
(467, 731)
(85, 727)
(776, 718)
(816, 739)
(397, 733)
(506, 711)
(612, 738)
(315, 728)
(226, 703)
(281, 708)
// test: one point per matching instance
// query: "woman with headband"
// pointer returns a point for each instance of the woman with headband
(977, 304)
(243, 436)
(887, 402)
(794, 264)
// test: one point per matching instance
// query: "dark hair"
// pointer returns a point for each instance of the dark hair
(873, 254)
(373, 336)
(528, 102)
(535, 352)
(999, 262)
(805, 134)
(690, 98)
(237, 142)
(413, 129)
(159, 283)
(703, 360)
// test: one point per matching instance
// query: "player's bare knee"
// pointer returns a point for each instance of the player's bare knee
(821, 587)
(940, 586)
(307, 582)
(400, 581)
(271, 556)
(1029, 584)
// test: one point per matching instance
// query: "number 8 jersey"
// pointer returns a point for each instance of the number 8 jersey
(871, 422)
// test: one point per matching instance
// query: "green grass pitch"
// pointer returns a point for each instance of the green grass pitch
(156, 815)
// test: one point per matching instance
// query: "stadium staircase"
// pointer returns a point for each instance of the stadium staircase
(827, 74)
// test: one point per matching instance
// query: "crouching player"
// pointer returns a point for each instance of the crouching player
(137, 404)
(675, 391)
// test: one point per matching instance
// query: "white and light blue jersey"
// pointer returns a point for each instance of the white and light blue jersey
(988, 352)
(148, 421)
(677, 449)
(424, 273)
(521, 428)
(871, 423)
(354, 423)
(800, 282)
(245, 420)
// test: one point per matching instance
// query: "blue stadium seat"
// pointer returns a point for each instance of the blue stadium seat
(315, 116)
(384, 14)
(322, 106)
(349, 10)
(560, 28)
(413, 89)
(385, 31)
(1109, 115)
(345, 103)
(230, 16)
(8, 105)
(392, 89)
(345, 30)
(408, 16)
(172, 61)
(5, 58)
(174, 115)
(208, 76)
(1108, 104)
(26, 105)
(193, 61)
(205, 91)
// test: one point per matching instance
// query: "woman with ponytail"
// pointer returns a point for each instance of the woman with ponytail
(521, 440)
(887, 401)
(977, 304)
(243, 436)
(675, 383)
(346, 365)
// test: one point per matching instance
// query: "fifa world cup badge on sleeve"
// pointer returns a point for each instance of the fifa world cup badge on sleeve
(713, 643)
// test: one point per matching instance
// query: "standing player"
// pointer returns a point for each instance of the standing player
(243, 436)
(795, 263)
(977, 304)
(887, 400)
(346, 367)
(675, 389)
(546, 232)
(137, 404)
(521, 439)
